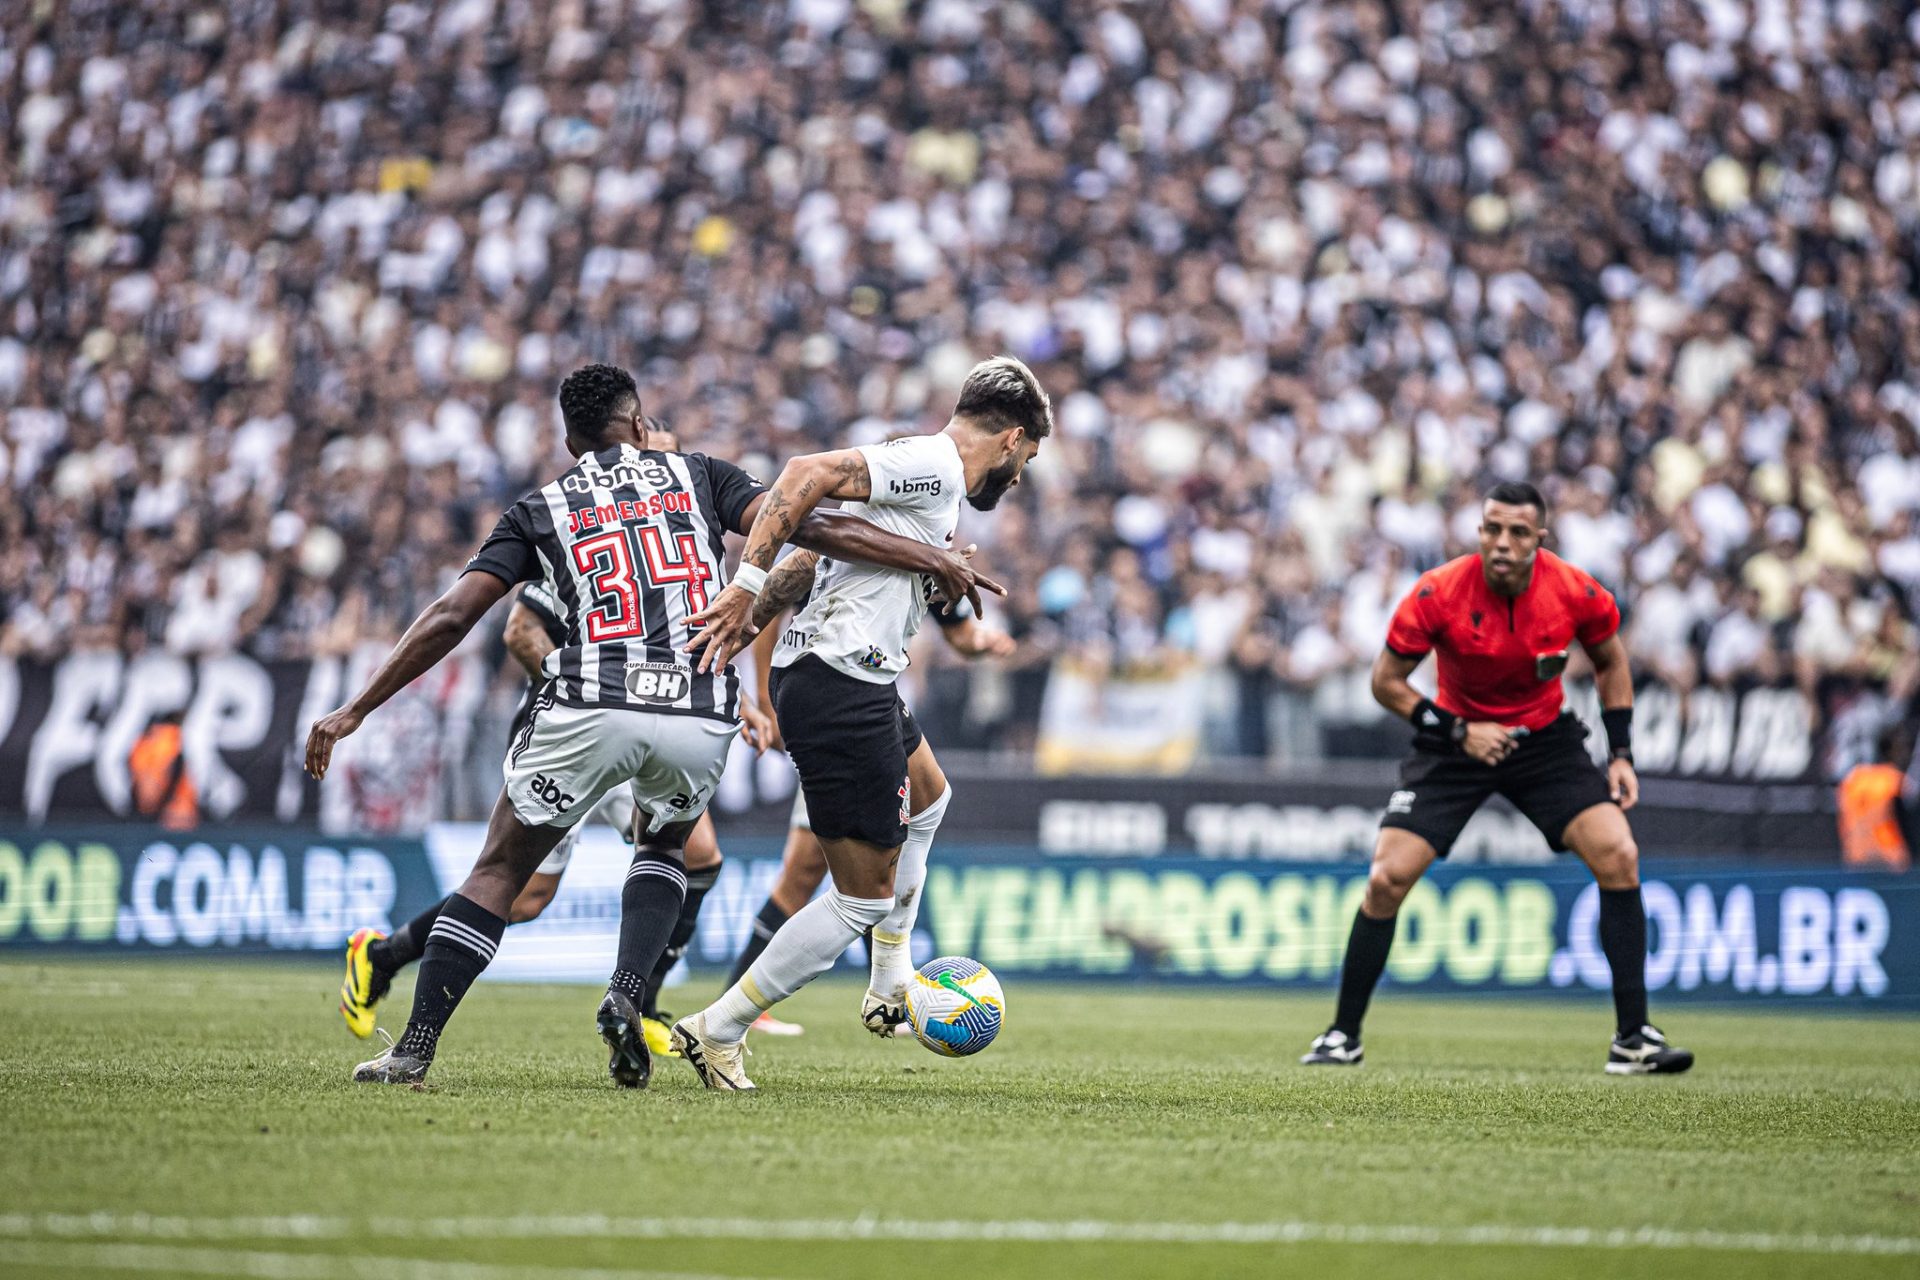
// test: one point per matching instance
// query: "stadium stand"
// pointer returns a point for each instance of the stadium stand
(285, 290)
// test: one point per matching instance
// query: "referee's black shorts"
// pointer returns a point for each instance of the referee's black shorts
(849, 740)
(1549, 777)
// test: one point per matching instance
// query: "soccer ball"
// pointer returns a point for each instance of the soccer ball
(955, 1006)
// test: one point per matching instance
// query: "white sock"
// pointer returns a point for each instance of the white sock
(893, 937)
(805, 947)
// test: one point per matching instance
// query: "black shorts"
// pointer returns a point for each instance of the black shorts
(850, 740)
(1550, 778)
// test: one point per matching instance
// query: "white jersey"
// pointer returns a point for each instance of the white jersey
(859, 617)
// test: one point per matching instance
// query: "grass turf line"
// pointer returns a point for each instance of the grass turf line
(210, 1091)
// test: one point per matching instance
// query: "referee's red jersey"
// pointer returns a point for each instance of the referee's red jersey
(1494, 648)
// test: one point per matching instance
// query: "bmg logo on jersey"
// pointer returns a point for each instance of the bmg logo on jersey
(657, 682)
(929, 485)
(648, 472)
(548, 792)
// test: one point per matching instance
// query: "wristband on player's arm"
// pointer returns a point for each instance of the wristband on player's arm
(1618, 722)
(1436, 724)
(749, 578)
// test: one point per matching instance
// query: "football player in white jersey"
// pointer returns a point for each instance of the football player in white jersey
(802, 866)
(833, 690)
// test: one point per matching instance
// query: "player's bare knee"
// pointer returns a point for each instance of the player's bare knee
(1616, 862)
(1387, 887)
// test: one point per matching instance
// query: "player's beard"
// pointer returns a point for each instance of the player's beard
(995, 486)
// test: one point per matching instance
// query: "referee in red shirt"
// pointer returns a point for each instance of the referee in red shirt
(1502, 623)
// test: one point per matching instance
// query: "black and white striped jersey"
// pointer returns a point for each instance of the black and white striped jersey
(627, 545)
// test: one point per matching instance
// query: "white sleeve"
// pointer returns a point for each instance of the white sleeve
(919, 472)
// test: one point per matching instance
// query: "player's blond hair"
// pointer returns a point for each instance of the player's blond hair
(1002, 392)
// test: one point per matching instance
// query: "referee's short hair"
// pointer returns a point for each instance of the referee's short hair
(1518, 493)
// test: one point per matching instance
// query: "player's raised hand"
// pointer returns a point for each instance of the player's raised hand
(956, 579)
(723, 629)
(1625, 783)
(325, 734)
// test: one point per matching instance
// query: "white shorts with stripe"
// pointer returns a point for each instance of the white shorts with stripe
(616, 809)
(566, 758)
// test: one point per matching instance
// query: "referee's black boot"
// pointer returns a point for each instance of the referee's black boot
(1334, 1048)
(1645, 1053)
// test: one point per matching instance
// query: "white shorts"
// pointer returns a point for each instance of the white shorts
(566, 758)
(616, 809)
(800, 818)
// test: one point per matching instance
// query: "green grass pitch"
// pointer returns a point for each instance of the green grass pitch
(194, 1118)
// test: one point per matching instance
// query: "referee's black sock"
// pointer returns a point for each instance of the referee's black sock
(407, 943)
(765, 925)
(1367, 946)
(459, 946)
(649, 908)
(698, 882)
(1623, 937)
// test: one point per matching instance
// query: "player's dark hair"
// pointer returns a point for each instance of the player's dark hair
(592, 396)
(1518, 493)
(1002, 393)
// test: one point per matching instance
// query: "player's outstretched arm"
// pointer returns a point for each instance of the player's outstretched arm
(726, 625)
(803, 484)
(433, 635)
(787, 513)
(841, 536)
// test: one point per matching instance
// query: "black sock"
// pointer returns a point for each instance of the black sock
(765, 925)
(649, 908)
(1623, 937)
(698, 882)
(459, 946)
(1367, 945)
(404, 945)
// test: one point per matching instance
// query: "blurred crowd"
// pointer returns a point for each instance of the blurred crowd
(286, 288)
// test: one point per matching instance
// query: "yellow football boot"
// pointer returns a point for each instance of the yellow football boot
(659, 1038)
(363, 986)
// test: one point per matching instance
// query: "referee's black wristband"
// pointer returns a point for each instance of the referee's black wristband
(1618, 722)
(1432, 720)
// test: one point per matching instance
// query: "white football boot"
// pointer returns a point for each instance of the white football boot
(719, 1065)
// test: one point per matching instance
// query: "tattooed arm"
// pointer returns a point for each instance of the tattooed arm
(725, 626)
(803, 484)
(786, 513)
(787, 586)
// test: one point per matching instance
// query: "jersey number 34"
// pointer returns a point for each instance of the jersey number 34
(607, 562)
